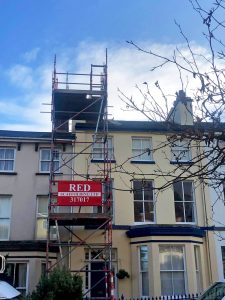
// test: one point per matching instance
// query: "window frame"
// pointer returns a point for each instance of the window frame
(178, 146)
(23, 289)
(142, 271)
(49, 160)
(9, 197)
(43, 217)
(137, 157)
(99, 140)
(184, 270)
(5, 159)
(194, 214)
(223, 259)
(110, 190)
(143, 201)
(198, 269)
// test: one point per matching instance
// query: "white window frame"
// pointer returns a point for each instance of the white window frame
(139, 152)
(174, 270)
(15, 263)
(198, 270)
(181, 151)
(41, 160)
(143, 201)
(142, 271)
(8, 218)
(44, 218)
(4, 159)
(100, 209)
(98, 145)
(193, 202)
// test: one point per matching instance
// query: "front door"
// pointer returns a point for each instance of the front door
(98, 289)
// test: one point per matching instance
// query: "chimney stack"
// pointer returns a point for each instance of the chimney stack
(181, 113)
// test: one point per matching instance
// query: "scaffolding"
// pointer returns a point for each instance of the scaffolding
(78, 98)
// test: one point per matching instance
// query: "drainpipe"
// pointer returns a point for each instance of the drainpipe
(206, 223)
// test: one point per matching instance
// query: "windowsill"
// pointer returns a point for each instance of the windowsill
(8, 173)
(174, 162)
(103, 161)
(143, 162)
(47, 173)
(144, 223)
(187, 223)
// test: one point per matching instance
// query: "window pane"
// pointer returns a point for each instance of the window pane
(8, 165)
(223, 259)
(149, 211)
(145, 144)
(42, 205)
(145, 156)
(145, 284)
(148, 191)
(9, 153)
(188, 191)
(136, 153)
(165, 258)
(5, 207)
(138, 190)
(55, 155)
(45, 154)
(2, 164)
(45, 166)
(41, 229)
(178, 193)
(179, 211)
(55, 166)
(189, 212)
(138, 211)
(179, 283)
(2, 153)
(20, 276)
(166, 283)
(4, 229)
(177, 258)
(136, 143)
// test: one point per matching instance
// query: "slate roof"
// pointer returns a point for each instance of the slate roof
(146, 126)
(27, 135)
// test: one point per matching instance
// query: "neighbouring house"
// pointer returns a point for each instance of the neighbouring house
(24, 188)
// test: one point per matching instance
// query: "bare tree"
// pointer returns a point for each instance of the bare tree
(206, 135)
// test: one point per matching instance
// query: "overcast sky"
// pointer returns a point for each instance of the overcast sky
(78, 31)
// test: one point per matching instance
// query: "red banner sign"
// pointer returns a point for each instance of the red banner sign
(79, 193)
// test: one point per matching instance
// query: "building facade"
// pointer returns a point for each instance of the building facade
(161, 237)
(24, 188)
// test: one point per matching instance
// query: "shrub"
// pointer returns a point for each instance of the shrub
(60, 284)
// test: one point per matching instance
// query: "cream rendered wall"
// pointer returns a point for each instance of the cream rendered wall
(124, 214)
(164, 207)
